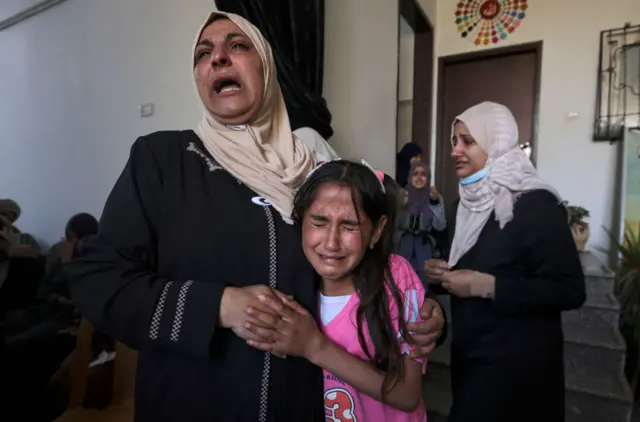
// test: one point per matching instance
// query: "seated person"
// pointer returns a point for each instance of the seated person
(24, 245)
(54, 287)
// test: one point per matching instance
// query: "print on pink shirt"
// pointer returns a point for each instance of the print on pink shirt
(344, 403)
(339, 406)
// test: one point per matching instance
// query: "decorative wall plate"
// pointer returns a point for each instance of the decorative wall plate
(489, 21)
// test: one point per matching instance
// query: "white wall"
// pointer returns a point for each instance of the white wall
(405, 62)
(405, 84)
(360, 78)
(71, 82)
(9, 8)
(430, 9)
(583, 171)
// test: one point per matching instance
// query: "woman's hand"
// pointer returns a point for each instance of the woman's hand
(435, 269)
(425, 334)
(296, 334)
(236, 300)
(467, 283)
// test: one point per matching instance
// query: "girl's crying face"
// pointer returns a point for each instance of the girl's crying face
(336, 235)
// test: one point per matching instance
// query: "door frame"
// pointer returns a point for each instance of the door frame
(412, 12)
(443, 61)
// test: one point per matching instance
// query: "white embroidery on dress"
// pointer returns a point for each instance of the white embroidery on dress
(157, 315)
(273, 279)
(179, 316)
(213, 166)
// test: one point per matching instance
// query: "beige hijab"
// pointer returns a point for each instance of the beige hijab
(264, 154)
(511, 173)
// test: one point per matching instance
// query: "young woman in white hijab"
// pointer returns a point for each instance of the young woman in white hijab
(196, 229)
(512, 268)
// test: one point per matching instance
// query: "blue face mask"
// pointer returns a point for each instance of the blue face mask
(475, 177)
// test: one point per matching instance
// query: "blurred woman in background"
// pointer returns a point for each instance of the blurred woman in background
(423, 211)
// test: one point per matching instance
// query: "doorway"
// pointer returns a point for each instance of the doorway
(509, 75)
(415, 77)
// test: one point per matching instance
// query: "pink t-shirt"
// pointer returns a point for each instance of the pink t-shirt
(343, 402)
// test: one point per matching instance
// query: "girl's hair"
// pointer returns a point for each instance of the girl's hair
(372, 276)
(394, 194)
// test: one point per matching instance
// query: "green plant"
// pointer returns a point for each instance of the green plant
(577, 214)
(627, 289)
(628, 275)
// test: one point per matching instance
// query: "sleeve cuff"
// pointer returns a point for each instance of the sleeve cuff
(186, 316)
(201, 318)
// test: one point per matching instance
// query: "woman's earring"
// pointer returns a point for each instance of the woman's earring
(371, 246)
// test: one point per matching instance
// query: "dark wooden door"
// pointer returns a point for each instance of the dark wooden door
(510, 76)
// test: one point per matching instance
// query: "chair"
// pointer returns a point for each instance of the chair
(121, 408)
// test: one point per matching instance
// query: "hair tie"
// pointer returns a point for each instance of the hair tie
(378, 173)
(320, 164)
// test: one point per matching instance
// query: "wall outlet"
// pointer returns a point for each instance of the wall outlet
(146, 110)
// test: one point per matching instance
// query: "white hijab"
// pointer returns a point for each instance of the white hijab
(511, 173)
(265, 155)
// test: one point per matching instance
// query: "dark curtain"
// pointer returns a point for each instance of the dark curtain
(295, 30)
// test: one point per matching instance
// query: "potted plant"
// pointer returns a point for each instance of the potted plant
(579, 227)
(627, 290)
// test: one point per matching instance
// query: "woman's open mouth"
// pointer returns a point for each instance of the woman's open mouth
(226, 86)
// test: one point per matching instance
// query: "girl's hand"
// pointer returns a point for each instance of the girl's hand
(296, 333)
(233, 305)
(425, 334)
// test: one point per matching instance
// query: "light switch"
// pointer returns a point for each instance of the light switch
(146, 110)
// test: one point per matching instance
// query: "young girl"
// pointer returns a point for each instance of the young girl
(367, 296)
(423, 211)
